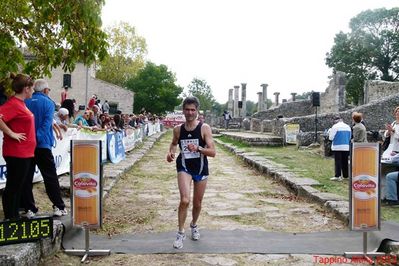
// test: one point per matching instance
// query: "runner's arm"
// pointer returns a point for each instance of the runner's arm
(209, 149)
(172, 147)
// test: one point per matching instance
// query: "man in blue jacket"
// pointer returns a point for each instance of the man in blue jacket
(340, 135)
(43, 109)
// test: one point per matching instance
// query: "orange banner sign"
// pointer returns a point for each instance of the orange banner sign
(365, 214)
(86, 182)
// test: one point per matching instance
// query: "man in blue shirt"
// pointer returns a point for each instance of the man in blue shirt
(340, 135)
(43, 109)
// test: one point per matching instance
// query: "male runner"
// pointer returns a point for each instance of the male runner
(196, 143)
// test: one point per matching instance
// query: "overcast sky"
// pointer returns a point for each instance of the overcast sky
(228, 42)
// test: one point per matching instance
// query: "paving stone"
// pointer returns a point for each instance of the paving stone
(329, 196)
(270, 209)
(150, 196)
(210, 195)
(275, 215)
(253, 191)
(337, 204)
(219, 261)
(243, 203)
(299, 211)
(212, 190)
(221, 205)
(232, 196)
(273, 201)
(251, 154)
(248, 210)
(173, 202)
(225, 213)
(307, 190)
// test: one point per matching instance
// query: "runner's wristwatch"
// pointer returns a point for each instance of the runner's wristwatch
(200, 149)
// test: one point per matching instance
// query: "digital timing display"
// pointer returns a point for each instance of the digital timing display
(25, 230)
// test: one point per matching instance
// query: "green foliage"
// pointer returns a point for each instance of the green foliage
(251, 108)
(56, 33)
(217, 108)
(126, 54)
(304, 96)
(154, 89)
(200, 89)
(369, 51)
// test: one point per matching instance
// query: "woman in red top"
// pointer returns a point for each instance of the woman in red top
(18, 126)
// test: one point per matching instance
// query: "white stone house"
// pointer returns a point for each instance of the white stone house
(119, 98)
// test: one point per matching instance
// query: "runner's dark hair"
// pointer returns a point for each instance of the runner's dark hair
(191, 100)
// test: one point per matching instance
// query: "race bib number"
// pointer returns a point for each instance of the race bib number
(186, 153)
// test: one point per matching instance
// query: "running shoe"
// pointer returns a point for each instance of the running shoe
(178, 243)
(195, 234)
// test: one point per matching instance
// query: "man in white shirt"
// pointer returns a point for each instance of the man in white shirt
(340, 135)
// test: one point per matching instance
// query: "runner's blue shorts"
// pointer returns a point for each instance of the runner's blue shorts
(196, 178)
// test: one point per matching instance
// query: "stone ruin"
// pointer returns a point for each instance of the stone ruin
(380, 98)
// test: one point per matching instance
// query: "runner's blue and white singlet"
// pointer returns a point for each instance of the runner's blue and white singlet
(194, 163)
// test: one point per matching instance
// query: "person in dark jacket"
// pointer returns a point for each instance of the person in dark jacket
(359, 132)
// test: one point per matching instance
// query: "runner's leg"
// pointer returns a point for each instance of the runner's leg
(184, 182)
(199, 190)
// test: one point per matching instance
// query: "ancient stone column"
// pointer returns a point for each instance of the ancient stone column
(276, 94)
(260, 99)
(293, 96)
(236, 111)
(264, 99)
(244, 100)
(230, 102)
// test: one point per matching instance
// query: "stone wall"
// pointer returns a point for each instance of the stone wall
(374, 90)
(331, 101)
(256, 125)
(287, 109)
(104, 90)
(376, 115)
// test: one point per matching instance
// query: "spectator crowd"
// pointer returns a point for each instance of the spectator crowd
(29, 120)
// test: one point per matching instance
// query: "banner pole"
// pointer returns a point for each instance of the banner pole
(79, 178)
(365, 243)
(364, 187)
(87, 244)
(87, 251)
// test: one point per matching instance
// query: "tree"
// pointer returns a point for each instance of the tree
(351, 58)
(126, 54)
(55, 33)
(154, 89)
(304, 96)
(200, 89)
(369, 51)
(251, 108)
(217, 108)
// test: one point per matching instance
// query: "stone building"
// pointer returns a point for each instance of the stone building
(334, 97)
(119, 98)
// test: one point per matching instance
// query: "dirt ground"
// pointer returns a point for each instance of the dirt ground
(146, 198)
